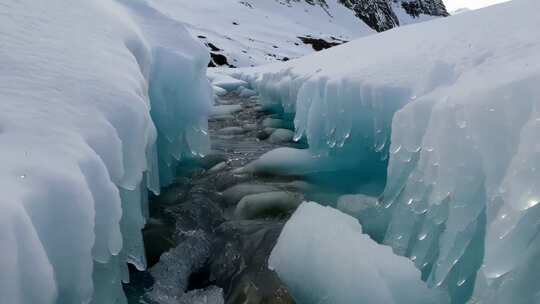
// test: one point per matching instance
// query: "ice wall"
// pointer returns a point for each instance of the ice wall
(78, 141)
(456, 102)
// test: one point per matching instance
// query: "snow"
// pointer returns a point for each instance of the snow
(265, 31)
(455, 5)
(224, 81)
(449, 123)
(78, 138)
(323, 257)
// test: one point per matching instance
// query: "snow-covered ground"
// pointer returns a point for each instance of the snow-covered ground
(255, 32)
(78, 140)
(453, 103)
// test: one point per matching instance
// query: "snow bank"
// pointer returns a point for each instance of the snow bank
(323, 257)
(78, 140)
(454, 104)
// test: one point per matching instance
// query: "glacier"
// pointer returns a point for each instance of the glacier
(99, 98)
(444, 117)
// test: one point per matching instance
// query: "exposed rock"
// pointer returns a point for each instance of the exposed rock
(319, 44)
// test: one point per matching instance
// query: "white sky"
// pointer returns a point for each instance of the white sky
(452, 5)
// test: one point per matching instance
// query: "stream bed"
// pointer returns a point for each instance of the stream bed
(205, 242)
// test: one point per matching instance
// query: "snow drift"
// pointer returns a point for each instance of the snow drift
(454, 105)
(78, 140)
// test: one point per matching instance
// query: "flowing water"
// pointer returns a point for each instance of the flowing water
(196, 247)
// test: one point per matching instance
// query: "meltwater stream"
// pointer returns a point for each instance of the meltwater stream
(200, 248)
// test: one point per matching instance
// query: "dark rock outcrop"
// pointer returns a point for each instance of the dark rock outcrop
(380, 15)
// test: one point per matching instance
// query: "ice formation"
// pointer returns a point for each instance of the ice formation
(78, 140)
(326, 249)
(455, 109)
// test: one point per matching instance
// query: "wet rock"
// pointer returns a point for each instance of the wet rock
(222, 117)
(210, 160)
(218, 167)
(231, 131)
(228, 179)
(248, 279)
(225, 109)
(209, 295)
(171, 274)
(269, 204)
(157, 239)
(265, 133)
(281, 136)
(250, 127)
(234, 194)
(277, 123)
(262, 135)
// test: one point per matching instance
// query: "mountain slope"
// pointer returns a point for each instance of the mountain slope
(243, 33)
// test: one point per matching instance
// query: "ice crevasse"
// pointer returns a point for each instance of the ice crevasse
(451, 108)
(98, 100)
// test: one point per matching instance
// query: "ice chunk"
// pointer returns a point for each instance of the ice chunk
(246, 93)
(323, 257)
(219, 91)
(367, 210)
(225, 81)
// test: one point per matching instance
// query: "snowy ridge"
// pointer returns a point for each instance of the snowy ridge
(79, 144)
(455, 108)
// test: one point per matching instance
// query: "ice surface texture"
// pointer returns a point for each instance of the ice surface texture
(323, 257)
(78, 140)
(454, 104)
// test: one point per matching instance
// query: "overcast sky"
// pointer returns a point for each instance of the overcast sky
(453, 5)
